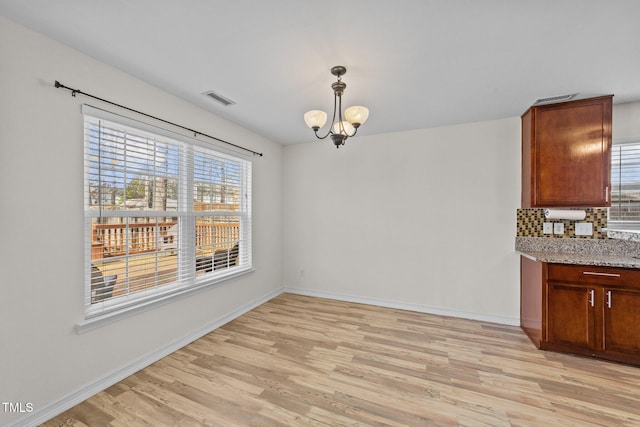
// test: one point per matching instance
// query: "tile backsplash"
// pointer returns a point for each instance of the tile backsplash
(530, 221)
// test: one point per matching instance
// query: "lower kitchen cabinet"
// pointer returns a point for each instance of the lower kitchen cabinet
(622, 321)
(593, 311)
(570, 316)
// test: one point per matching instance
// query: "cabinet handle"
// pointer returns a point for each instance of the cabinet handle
(608, 299)
(593, 273)
(591, 297)
(606, 194)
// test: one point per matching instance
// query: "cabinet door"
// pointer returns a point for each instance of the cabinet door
(622, 320)
(567, 154)
(570, 314)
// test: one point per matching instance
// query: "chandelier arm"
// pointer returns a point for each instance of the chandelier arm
(322, 137)
(333, 119)
(340, 119)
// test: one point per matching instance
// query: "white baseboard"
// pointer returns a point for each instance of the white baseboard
(57, 407)
(502, 320)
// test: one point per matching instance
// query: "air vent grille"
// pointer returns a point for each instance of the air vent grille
(553, 99)
(219, 98)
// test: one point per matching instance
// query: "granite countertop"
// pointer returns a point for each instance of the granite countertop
(603, 252)
(583, 259)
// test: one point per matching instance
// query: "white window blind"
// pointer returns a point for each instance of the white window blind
(164, 214)
(624, 212)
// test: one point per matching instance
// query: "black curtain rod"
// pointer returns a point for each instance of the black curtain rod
(195, 132)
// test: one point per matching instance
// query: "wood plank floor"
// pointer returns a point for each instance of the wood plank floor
(303, 361)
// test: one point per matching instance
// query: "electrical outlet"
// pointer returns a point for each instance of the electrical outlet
(558, 228)
(584, 229)
(547, 228)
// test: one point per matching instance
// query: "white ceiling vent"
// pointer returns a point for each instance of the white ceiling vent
(552, 99)
(219, 98)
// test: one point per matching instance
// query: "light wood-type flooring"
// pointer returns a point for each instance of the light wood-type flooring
(304, 361)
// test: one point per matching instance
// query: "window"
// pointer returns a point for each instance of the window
(624, 213)
(164, 214)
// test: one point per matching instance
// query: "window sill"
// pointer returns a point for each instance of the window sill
(113, 316)
(633, 235)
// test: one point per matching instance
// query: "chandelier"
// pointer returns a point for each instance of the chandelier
(345, 127)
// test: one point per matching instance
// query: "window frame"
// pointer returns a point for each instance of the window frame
(632, 225)
(188, 279)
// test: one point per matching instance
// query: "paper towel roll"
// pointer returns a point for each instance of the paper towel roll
(570, 214)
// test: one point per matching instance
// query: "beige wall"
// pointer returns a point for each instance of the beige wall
(422, 219)
(626, 121)
(42, 359)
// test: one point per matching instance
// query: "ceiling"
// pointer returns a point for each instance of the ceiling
(413, 63)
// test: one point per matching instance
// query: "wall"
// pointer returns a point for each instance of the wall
(43, 360)
(626, 121)
(421, 219)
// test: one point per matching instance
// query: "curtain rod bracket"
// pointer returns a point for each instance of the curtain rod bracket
(59, 85)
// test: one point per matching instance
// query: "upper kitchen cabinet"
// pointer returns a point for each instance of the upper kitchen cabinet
(566, 154)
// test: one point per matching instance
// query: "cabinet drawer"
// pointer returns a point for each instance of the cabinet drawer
(592, 274)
